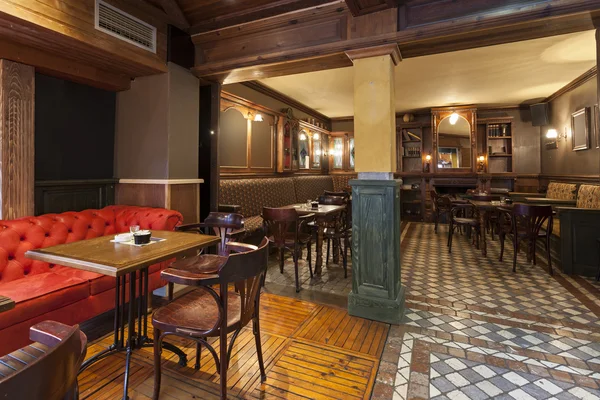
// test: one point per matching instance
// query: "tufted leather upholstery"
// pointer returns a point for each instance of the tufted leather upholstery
(561, 191)
(588, 196)
(253, 194)
(311, 187)
(41, 289)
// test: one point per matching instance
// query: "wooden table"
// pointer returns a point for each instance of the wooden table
(6, 304)
(120, 260)
(322, 215)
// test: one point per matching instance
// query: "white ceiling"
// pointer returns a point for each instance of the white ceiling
(505, 74)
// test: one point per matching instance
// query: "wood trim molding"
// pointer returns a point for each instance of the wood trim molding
(267, 91)
(392, 49)
(574, 84)
(173, 10)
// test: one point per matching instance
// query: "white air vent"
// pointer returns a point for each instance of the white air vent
(119, 24)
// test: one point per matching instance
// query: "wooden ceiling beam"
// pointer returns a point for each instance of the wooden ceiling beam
(255, 52)
(174, 11)
(362, 7)
(243, 16)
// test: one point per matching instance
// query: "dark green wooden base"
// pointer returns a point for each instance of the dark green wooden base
(384, 310)
(376, 289)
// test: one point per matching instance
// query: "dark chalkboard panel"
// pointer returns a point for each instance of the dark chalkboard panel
(74, 130)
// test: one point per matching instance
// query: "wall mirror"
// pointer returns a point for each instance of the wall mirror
(454, 139)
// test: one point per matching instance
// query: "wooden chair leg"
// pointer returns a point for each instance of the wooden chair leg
(296, 272)
(450, 234)
(281, 260)
(436, 217)
(548, 254)
(308, 257)
(198, 353)
(328, 247)
(516, 251)
(501, 237)
(157, 360)
(259, 355)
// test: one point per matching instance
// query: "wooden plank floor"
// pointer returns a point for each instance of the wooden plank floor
(310, 351)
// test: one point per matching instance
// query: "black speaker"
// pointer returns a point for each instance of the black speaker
(539, 114)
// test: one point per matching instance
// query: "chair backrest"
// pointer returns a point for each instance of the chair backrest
(277, 222)
(529, 218)
(222, 224)
(247, 270)
(53, 375)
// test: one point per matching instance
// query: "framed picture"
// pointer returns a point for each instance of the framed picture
(597, 125)
(580, 129)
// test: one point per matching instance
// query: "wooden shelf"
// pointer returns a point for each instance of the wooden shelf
(411, 141)
(500, 155)
(499, 137)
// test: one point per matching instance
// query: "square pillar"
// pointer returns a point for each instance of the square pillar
(377, 292)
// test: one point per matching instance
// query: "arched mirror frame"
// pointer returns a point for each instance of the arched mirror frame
(248, 111)
(437, 116)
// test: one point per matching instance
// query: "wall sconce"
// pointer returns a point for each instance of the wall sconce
(254, 117)
(428, 163)
(258, 117)
(302, 137)
(481, 163)
(316, 136)
(554, 137)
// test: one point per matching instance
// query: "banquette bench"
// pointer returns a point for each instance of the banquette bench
(249, 195)
(45, 291)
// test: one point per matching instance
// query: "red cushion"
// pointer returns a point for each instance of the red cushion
(98, 282)
(39, 294)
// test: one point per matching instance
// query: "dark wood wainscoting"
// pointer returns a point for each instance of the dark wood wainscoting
(75, 195)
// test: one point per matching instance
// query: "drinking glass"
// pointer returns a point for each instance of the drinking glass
(134, 228)
(308, 203)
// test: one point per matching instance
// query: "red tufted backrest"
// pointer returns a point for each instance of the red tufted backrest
(20, 235)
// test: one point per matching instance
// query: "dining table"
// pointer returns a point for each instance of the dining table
(128, 263)
(322, 214)
(485, 208)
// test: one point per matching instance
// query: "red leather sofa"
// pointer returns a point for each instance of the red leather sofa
(45, 291)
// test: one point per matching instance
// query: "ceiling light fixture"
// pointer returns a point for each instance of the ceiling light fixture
(453, 118)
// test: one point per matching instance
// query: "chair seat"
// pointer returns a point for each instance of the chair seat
(201, 264)
(303, 238)
(466, 221)
(196, 311)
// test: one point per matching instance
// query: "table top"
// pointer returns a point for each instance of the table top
(6, 304)
(322, 210)
(489, 204)
(102, 256)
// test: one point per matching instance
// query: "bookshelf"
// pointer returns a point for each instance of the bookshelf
(499, 144)
(411, 149)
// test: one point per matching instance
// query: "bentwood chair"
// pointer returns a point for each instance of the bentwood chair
(283, 227)
(439, 208)
(227, 226)
(527, 224)
(47, 369)
(338, 227)
(215, 312)
(462, 215)
(491, 217)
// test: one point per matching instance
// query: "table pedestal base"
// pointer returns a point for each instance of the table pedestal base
(133, 340)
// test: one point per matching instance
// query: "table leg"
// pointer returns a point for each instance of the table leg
(319, 260)
(482, 226)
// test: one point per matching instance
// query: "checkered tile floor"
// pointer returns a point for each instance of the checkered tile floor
(475, 330)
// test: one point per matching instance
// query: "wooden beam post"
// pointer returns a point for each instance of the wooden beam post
(17, 82)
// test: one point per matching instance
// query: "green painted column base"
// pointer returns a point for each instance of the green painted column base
(384, 310)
